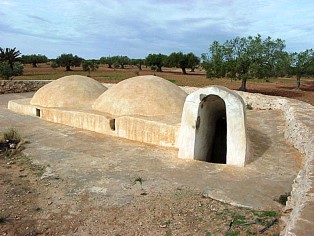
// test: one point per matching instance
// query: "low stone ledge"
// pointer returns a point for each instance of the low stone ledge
(21, 86)
(299, 126)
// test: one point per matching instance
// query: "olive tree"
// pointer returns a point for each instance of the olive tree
(107, 60)
(303, 63)
(120, 61)
(90, 65)
(138, 63)
(183, 61)
(156, 60)
(244, 58)
(68, 61)
(34, 59)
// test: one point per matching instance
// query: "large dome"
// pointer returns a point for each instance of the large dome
(142, 95)
(74, 91)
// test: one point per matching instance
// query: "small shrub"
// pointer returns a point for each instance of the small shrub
(54, 65)
(12, 134)
(4, 219)
(11, 143)
(249, 106)
(6, 71)
(283, 199)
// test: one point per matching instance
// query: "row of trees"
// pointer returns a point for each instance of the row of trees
(175, 59)
(240, 58)
(252, 57)
(156, 61)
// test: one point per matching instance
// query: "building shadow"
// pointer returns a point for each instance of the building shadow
(258, 144)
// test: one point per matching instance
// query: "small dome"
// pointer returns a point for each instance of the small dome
(74, 91)
(142, 95)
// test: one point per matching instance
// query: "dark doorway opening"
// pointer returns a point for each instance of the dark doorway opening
(211, 130)
(219, 150)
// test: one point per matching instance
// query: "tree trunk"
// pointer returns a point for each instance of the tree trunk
(34, 65)
(109, 65)
(243, 85)
(139, 67)
(298, 82)
(11, 65)
(159, 69)
(192, 69)
(68, 68)
(183, 70)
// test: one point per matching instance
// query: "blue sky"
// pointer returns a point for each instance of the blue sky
(95, 28)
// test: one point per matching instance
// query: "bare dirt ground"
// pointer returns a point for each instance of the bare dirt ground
(31, 205)
(28, 207)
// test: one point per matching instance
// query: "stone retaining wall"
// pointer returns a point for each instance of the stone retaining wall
(299, 125)
(21, 86)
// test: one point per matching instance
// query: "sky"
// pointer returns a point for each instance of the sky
(134, 28)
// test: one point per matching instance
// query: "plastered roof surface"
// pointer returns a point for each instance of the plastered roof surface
(74, 91)
(142, 95)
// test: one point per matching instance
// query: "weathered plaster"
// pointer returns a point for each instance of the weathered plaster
(191, 143)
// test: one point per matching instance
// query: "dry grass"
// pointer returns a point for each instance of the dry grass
(11, 137)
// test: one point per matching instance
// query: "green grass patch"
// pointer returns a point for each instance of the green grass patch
(172, 80)
(239, 220)
(265, 213)
(232, 233)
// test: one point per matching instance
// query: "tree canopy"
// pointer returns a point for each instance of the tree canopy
(138, 63)
(9, 63)
(68, 60)
(157, 60)
(7, 73)
(245, 58)
(34, 59)
(90, 65)
(183, 61)
(107, 60)
(302, 63)
(120, 61)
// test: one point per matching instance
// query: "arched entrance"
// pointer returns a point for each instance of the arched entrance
(213, 127)
(211, 130)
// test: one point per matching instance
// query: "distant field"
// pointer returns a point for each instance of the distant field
(278, 87)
